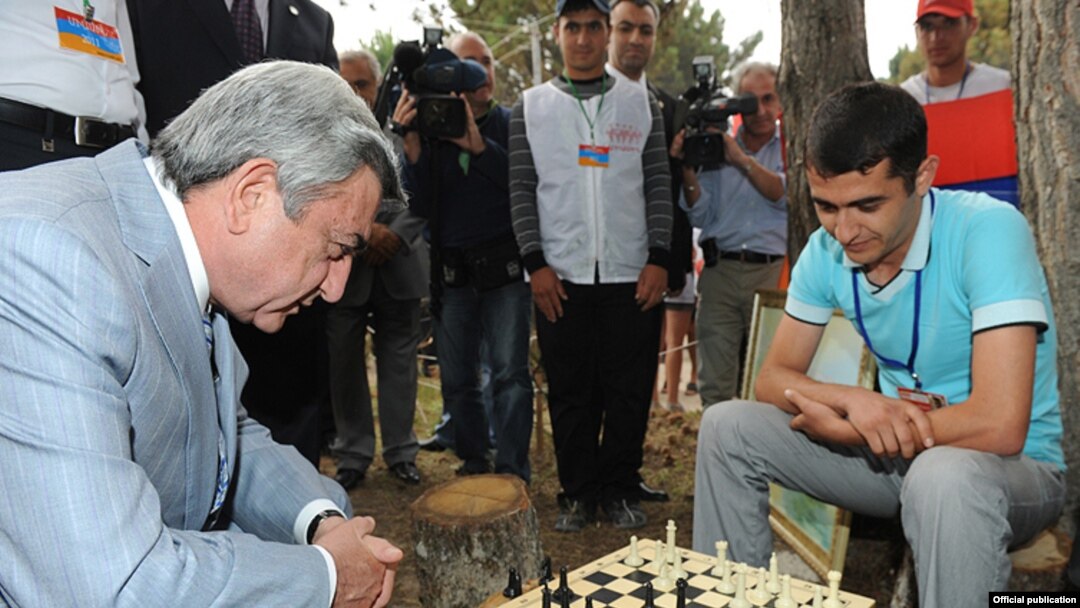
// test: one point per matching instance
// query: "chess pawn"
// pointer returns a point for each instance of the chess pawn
(659, 557)
(664, 582)
(759, 595)
(740, 601)
(648, 596)
(634, 559)
(725, 585)
(721, 559)
(785, 600)
(677, 571)
(818, 601)
(833, 601)
(773, 586)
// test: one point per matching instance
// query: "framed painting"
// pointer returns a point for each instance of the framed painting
(817, 531)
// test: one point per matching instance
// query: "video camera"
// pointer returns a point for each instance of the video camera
(706, 105)
(430, 73)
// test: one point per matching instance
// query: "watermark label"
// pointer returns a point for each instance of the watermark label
(1031, 598)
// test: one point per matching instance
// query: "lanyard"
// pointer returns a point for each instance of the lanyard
(88, 10)
(963, 81)
(910, 365)
(590, 121)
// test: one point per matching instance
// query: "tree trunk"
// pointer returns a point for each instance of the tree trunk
(824, 48)
(1046, 69)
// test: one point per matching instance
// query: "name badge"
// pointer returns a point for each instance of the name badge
(926, 401)
(593, 156)
(90, 37)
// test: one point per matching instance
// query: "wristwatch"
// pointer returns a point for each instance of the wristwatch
(747, 167)
(318, 519)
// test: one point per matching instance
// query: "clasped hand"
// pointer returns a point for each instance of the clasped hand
(366, 564)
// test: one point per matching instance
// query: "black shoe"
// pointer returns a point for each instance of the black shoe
(625, 514)
(348, 478)
(473, 468)
(431, 444)
(648, 494)
(574, 515)
(407, 472)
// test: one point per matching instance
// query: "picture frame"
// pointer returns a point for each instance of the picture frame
(817, 531)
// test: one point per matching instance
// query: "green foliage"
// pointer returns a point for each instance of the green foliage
(382, 45)
(991, 44)
(684, 33)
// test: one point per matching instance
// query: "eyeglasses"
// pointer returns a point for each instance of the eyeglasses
(943, 26)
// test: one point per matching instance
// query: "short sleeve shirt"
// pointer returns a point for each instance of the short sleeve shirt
(979, 270)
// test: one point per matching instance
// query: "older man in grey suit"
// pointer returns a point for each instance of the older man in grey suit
(130, 474)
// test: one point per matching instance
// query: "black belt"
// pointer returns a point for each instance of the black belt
(84, 131)
(750, 257)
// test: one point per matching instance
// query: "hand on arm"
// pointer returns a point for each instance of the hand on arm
(366, 564)
(548, 292)
(383, 244)
(651, 286)
(404, 114)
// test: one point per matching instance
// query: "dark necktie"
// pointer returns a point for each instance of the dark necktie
(248, 30)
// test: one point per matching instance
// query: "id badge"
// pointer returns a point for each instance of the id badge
(926, 401)
(593, 156)
(90, 37)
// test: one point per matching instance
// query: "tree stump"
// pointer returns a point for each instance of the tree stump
(468, 533)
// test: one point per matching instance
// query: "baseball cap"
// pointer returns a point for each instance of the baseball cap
(949, 8)
(601, 5)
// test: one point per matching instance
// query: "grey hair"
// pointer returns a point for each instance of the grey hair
(752, 67)
(639, 3)
(359, 55)
(303, 117)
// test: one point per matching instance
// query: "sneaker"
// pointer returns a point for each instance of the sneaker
(574, 515)
(625, 514)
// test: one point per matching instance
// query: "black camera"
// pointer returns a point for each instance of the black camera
(704, 110)
(430, 73)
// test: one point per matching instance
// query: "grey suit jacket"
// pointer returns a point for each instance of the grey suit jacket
(405, 275)
(109, 413)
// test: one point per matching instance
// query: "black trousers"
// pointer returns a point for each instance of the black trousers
(600, 359)
(21, 148)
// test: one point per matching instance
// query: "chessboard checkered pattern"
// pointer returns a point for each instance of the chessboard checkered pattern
(613, 584)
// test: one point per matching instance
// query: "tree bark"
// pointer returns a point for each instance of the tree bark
(824, 48)
(1046, 71)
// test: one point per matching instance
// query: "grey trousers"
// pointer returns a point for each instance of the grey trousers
(397, 335)
(961, 509)
(723, 322)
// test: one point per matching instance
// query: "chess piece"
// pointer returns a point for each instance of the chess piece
(563, 592)
(833, 601)
(680, 593)
(513, 587)
(785, 600)
(634, 559)
(721, 559)
(664, 582)
(659, 558)
(670, 541)
(773, 585)
(677, 571)
(545, 571)
(649, 603)
(726, 586)
(588, 602)
(760, 595)
(545, 597)
(740, 600)
(818, 602)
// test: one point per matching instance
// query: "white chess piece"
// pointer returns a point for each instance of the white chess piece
(664, 582)
(760, 595)
(634, 559)
(817, 598)
(659, 558)
(740, 601)
(721, 559)
(785, 600)
(725, 585)
(773, 585)
(677, 571)
(670, 541)
(833, 601)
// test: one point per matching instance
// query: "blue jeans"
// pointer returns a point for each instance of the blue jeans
(500, 319)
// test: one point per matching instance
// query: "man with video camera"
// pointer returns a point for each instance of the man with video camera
(741, 209)
(461, 185)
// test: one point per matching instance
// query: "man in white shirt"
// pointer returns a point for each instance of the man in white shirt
(68, 84)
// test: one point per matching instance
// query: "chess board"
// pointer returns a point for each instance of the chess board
(609, 582)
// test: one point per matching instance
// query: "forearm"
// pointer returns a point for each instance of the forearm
(963, 425)
(524, 214)
(769, 184)
(691, 186)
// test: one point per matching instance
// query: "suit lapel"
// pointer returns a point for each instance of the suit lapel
(170, 303)
(215, 18)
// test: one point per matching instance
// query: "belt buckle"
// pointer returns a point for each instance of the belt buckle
(83, 125)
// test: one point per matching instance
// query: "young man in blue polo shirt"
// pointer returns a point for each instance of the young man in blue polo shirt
(945, 286)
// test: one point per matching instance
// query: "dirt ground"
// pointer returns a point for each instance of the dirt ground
(873, 554)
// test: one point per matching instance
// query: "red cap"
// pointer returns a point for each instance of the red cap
(949, 8)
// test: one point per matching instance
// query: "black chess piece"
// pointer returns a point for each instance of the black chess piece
(588, 602)
(545, 597)
(648, 596)
(545, 571)
(563, 592)
(680, 593)
(513, 587)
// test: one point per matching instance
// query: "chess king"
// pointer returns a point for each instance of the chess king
(946, 290)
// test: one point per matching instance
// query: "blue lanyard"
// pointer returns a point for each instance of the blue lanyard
(963, 81)
(910, 365)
